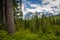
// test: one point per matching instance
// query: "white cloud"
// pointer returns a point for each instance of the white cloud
(39, 8)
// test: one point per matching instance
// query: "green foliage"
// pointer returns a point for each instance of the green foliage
(23, 34)
(45, 28)
(3, 35)
(46, 31)
(14, 3)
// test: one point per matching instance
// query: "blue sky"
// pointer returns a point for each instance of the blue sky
(39, 6)
(27, 5)
(35, 1)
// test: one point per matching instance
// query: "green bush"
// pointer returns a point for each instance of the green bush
(23, 34)
(3, 35)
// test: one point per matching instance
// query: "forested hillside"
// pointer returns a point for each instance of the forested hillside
(14, 27)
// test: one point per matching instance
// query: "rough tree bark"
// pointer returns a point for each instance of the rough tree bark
(10, 17)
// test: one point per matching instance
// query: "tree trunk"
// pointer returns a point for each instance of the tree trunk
(3, 11)
(1, 22)
(10, 17)
(3, 14)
